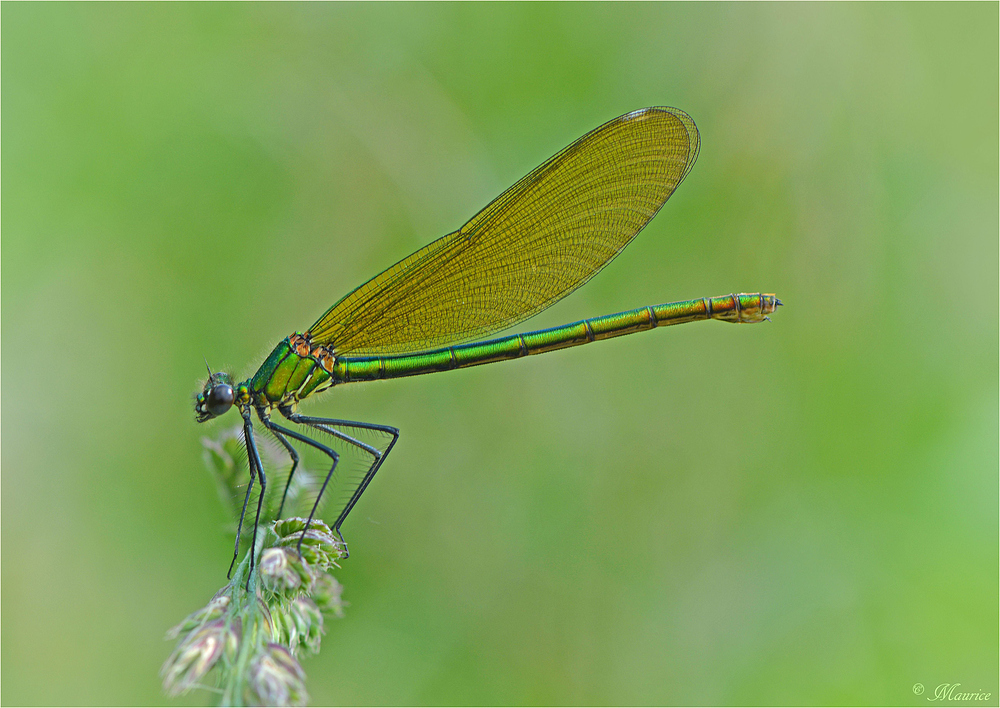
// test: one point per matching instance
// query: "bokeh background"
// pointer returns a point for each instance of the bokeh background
(801, 512)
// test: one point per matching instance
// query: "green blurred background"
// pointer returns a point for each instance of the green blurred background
(800, 512)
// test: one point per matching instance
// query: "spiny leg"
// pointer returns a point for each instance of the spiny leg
(277, 429)
(295, 465)
(377, 455)
(255, 456)
(247, 432)
(252, 462)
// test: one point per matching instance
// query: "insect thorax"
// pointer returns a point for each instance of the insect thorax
(293, 370)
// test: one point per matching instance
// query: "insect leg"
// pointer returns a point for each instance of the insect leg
(247, 435)
(275, 428)
(378, 456)
(255, 456)
(239, 529)
(295, 465)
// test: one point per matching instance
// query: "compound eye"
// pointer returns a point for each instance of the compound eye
(220, 398)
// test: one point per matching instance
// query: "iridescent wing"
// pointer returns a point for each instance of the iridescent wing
(534, 244)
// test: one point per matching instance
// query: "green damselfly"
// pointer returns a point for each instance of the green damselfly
(531, 246)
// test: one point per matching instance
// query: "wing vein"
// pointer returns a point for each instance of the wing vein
(541, 239)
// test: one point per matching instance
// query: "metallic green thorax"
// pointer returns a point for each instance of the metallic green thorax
(296, 369)
(291, 372)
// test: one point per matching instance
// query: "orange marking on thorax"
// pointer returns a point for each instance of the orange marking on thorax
(322, 354)
(324, 357)
(299, 344)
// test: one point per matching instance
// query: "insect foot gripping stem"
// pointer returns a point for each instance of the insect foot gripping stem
(249, 644)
